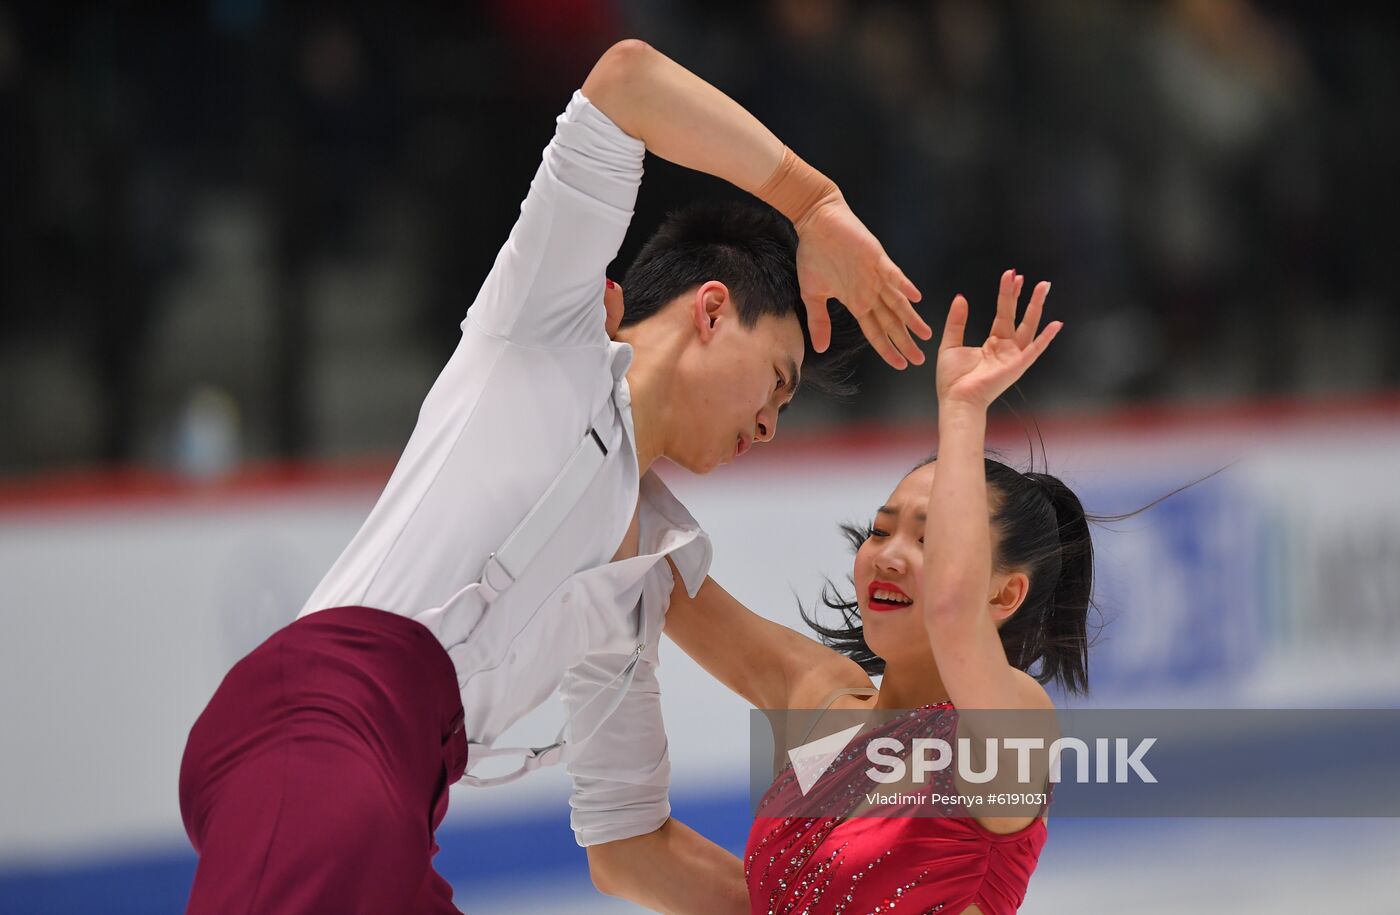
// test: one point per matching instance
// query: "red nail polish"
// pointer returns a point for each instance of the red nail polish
(611, 284)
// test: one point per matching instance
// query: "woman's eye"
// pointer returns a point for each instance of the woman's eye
(876, 532)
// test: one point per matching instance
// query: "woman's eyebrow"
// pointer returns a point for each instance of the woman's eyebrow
(886, 510)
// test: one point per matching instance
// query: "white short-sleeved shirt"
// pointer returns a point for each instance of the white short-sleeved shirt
(533, 367)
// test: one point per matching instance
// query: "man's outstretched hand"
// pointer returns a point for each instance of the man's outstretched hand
(838, 258)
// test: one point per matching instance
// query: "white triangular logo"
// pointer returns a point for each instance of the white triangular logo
(810, 760)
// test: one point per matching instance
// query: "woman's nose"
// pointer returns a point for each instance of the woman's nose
(891, 559)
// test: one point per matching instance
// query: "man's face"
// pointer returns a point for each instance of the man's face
(733, 382)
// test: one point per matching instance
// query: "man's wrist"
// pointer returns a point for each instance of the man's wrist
(834, 200)
(797, 190)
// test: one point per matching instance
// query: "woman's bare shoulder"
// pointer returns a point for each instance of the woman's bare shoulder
(1033, 693)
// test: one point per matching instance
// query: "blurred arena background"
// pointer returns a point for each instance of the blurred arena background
(237, 237)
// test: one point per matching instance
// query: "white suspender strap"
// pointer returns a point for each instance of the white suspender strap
(515, 555)
(544, 518)
(524, 543)
(536, 757)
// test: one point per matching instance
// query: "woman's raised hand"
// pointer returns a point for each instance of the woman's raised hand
(978, 375)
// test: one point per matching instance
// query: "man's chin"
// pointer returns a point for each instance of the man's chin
(699, 465)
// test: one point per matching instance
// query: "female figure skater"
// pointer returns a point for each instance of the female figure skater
(954, 619)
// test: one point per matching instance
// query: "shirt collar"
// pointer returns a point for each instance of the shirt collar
(621, 356)
(667, 527)
(671, 529)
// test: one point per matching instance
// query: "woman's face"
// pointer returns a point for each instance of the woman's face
(889, 571)
(890, 576)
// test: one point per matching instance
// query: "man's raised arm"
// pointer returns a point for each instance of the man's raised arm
(685, 120)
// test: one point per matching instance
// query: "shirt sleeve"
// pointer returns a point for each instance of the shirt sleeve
(546, 286)
(622, 774)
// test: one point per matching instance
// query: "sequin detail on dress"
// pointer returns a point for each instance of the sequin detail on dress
(843, 864)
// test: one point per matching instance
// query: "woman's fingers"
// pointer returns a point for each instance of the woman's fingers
(956, 324)
(1004, 325)
(1032, 352)
(1030, 322)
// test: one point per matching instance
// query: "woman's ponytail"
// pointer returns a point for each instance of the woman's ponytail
(1064, 638)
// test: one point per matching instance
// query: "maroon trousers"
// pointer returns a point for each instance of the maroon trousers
(315, 778)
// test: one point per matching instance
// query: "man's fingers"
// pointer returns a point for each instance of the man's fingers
(955, 325)
(894, 311)
(1030, 323)
(899, 334)
(911, 292)
(897, 300)
(897, 293)
(881, 341)
(1004, 324)
(818, 321)
(901, 282)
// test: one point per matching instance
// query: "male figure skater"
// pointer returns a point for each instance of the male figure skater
(521, 543)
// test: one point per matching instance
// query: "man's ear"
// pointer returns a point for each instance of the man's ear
(1010, 593)
(708, 308)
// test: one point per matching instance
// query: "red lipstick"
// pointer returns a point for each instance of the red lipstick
(885, 605)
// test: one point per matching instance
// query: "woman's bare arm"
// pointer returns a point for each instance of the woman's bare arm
(957, 562)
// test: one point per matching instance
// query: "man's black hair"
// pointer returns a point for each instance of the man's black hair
(751, 249)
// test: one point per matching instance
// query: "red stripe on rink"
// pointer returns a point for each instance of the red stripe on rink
(121, 487)
(143, 488)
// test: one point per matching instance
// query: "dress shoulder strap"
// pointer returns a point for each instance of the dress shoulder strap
(831, 699)
(849, 691)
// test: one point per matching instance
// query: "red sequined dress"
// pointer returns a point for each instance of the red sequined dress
(896, 861)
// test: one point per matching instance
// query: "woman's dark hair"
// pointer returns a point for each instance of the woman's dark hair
(750, 248)
(1042, 529)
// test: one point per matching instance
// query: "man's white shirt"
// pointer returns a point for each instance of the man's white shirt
(533, 368)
